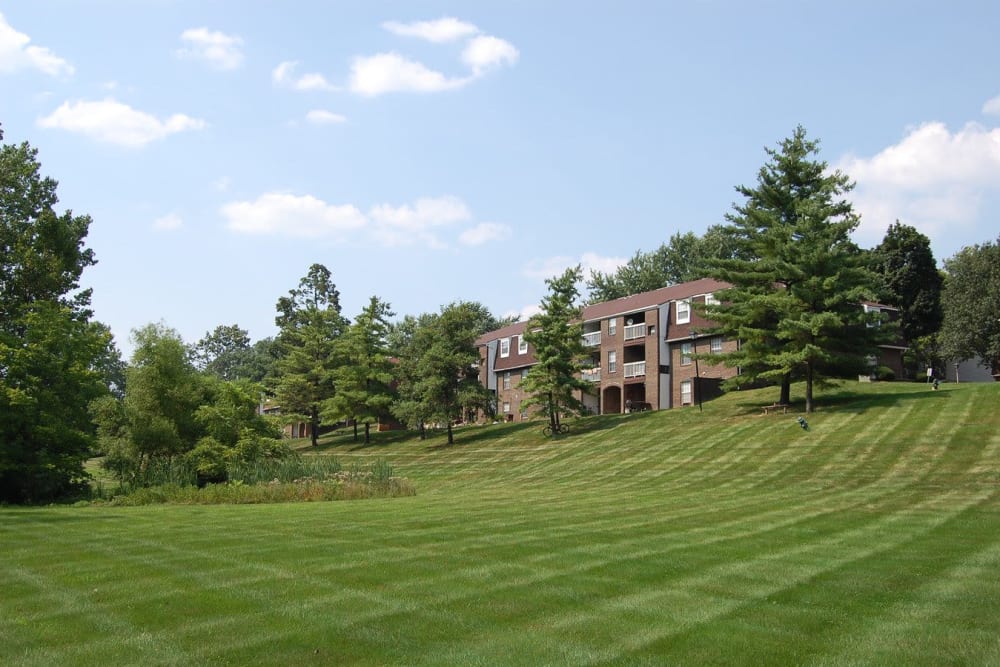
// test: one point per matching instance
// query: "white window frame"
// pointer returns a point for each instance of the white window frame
(612, 361)
(506, 380)
(716, 344)
(506, 407)
(687, 349)
(683, 317)
(504, 347)
(524, 374)
(522, 345)
(612, 326)
(710, 299)
(687, 392)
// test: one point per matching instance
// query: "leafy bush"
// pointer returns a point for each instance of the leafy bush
(885, 373)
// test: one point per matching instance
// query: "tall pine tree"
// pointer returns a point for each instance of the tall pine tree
(556, 334)
(799, 281)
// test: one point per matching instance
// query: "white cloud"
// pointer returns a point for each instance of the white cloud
(406, 224)
(551, 267)
(282, 214)
(116, 123)
(992, 106)
(168, 223)
(484, 232)
(445, 29)
(485, 52)
(526, 313)
(933, 179)
(17, 53)
(323, 117)
(218, 49)
(391, 72)
(284, 75)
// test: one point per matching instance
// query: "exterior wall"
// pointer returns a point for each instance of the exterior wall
(710, 374)
(515, 396)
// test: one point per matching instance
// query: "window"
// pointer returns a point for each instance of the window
(524, 374)
(612, 361)
(506, 380)
(505, 347)
(685, 354)
(686, 392)
(522, 345)
(716, 344)
(506, 407)
(683, 312)
(710, 300)
(612, 326)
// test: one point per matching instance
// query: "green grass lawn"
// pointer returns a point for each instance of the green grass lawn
(678, 537)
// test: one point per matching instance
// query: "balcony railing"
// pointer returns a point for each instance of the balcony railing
(634, 369)
(592, 375)
(592, 339)
(634, 331)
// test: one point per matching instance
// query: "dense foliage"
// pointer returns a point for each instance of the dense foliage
(799, 281)
(53, 359)
(971, 299)
(557, 337)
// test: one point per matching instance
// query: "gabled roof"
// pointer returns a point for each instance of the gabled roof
(647, 300)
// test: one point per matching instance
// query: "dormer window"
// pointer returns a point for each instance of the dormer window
(683, 311)
(522, 345)
(505, 347)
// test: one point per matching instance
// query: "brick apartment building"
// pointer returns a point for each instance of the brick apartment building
(641, 349)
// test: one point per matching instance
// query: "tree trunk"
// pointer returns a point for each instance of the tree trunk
(423, 430)
(451, 438)
(314, 425)
(786, 390)
(367, 438)
(809, 388)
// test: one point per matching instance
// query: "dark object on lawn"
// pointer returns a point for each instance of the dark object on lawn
(803, 423)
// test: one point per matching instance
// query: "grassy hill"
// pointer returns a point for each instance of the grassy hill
(673, 537)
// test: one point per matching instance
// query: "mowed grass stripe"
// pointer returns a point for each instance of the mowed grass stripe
(661, 537)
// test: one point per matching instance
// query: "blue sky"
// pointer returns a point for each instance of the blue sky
(427, 152)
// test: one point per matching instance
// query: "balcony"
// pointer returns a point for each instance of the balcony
(635, 369)
(592, 339)
(635, 331)
(592, 374)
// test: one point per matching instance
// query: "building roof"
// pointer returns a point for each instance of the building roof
(647, 300)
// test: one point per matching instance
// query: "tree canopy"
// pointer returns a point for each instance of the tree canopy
(909, 280)
(971, 300)
(53, 359)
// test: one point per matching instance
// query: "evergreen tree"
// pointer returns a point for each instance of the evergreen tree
(798, 281)
(364, 377)
(310, 324)
(556, 334)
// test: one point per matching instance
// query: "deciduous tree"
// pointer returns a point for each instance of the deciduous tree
(971, 300)
(53, 359)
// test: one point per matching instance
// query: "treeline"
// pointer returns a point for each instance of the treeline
(797, 281)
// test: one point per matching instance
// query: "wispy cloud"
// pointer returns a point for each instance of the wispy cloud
(113, 122)
(446, 29)
(992, 106)
(323, 117)
(221, 51)
(298, 216)
(484, 232)
(391, 73)
(486, 52)
(406, 224)
(18, 53)
(284, 75)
